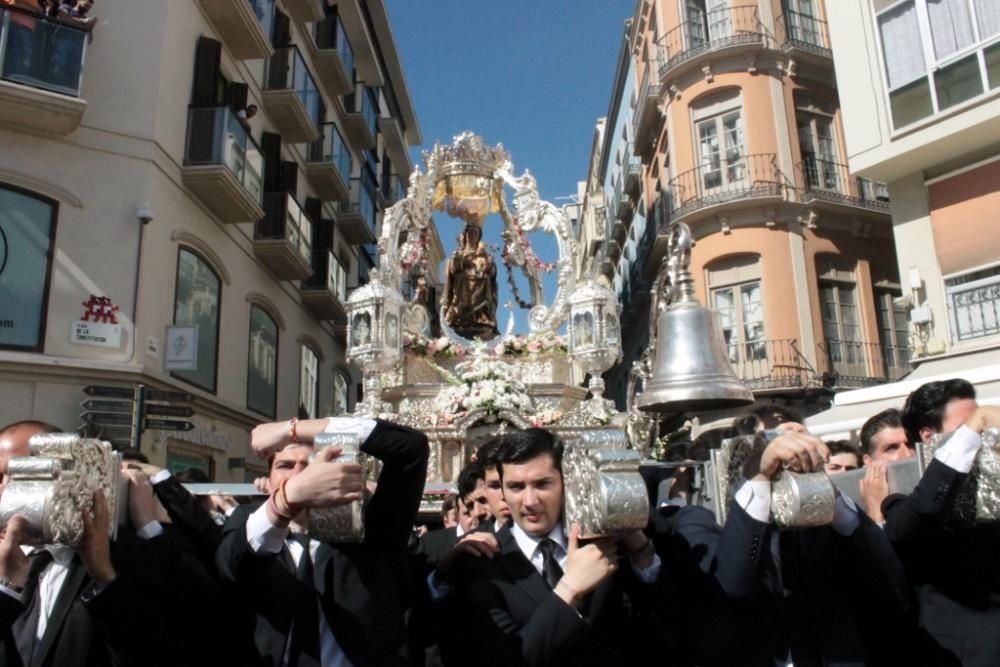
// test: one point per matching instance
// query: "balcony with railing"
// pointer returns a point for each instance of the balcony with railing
(306, 11)
(356, 220)
(770, 365)
(706, 35)
(244, 26)
(325, 292)
(283, 237)
(803, 34)
(41, 70)
(831, 182)
(329, 164)
(333, 55)
(645, 118)
(974, 309)
(223, 165)
(724, 182)
(849, 363)
(361, 119)
(291, 96)
(619, 230)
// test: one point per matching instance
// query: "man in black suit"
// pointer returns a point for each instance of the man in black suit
(545, 598)
(954, 565)
(831, 595)
(472, 512)
(488, 455)
(318, 603)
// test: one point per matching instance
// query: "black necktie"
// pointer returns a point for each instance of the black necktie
(551, 571)
(26, 626)
(305, 632)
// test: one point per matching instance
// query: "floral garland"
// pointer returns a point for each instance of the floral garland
(433, 347)
(530, 258)
(479, 384)
(536, 343)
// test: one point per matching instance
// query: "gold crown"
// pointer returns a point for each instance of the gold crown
(467, 154)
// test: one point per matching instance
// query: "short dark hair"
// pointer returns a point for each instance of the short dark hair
(488, 453)
(844, 447)
(449, 503)
(768, 414)
(468, 477)
(133, 454)
(925, 407)
(888, 418)
(521, 446)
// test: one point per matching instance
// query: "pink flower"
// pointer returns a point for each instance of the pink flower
(499, 349)
(534, 346)
(432, 347)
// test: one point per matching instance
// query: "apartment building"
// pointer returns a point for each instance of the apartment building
(736, 120)
(158, 230)
(920, 92)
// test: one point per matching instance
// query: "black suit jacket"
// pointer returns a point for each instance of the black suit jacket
(516, 619)
(363, 588)
(114, 627)
(435, 545)
(837, 601)
(955, 567)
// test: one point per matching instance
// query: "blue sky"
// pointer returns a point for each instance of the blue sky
(534, 75)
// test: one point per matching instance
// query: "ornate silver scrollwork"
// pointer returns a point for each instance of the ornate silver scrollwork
(605, 493)
(347, 522)
(55, 484)
(979, 497)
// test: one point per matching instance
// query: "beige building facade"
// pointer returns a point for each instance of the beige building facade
(922, 113)
(140, 192)
(737, 121)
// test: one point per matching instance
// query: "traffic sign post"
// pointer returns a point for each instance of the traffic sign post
(121, 413)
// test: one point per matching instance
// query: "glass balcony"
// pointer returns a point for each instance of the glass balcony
(393, 189)
(291, 96)
(325, 292)
(357, 216)
(41, 69)
(329, 165)
(244, 26)
(223, 164)
(283, 237)
(333, 56)
(361, 121)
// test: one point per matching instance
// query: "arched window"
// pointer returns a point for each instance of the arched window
(262, 363)
(196, 301)
(27, 232)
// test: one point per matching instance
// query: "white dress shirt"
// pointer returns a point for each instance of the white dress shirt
(959, 452)
(264, 537)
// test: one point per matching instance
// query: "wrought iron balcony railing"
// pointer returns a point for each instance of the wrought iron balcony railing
(708, 32)
(974, 309)
(795, 30)
(850, 363)
(769, 364)
(727, 178)
(832, 181)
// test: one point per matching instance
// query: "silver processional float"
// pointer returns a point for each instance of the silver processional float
(471, 383)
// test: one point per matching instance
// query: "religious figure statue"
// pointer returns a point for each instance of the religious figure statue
(470, 299)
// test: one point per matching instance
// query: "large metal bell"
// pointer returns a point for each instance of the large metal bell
(691, 370)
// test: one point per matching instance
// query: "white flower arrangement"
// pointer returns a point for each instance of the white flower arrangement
(479, 384)
(544, 342)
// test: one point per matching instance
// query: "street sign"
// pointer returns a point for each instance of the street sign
(168, 425)
(102, 391)
(107, 418)
(116, 432)
(107, 406)
(169, 410)
(159, 395)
